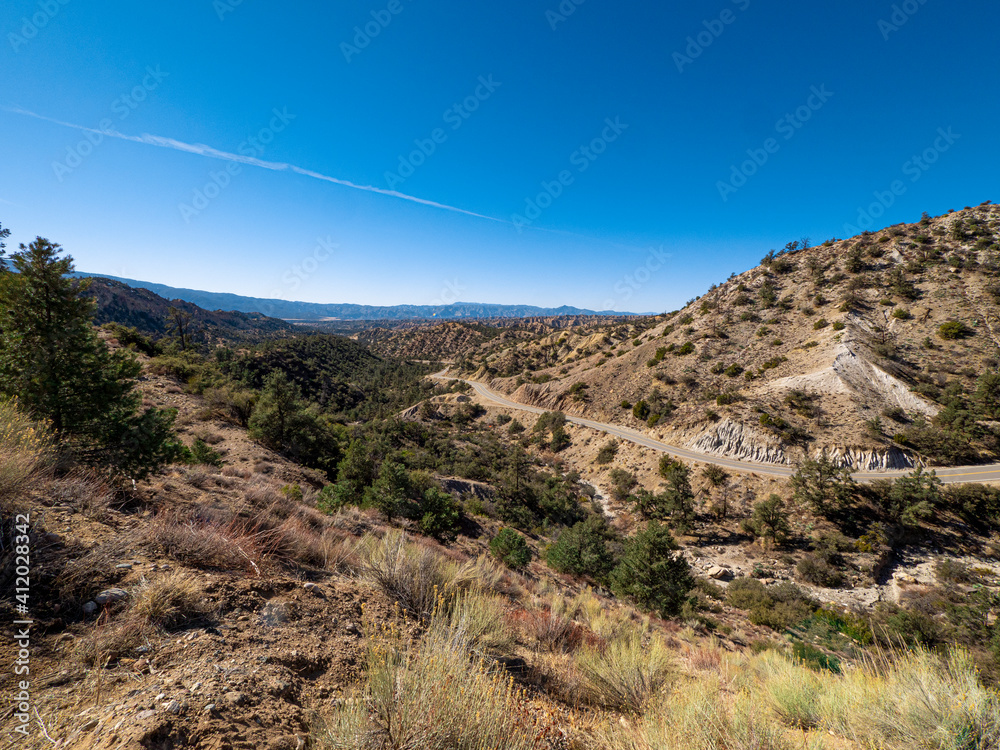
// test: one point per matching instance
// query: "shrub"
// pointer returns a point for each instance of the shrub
(641, 410)
(818, 571)
(733, 371)
(203, 453)
(838, 325)
(412, 576)
(510, 548)
(607, 452)
(622, 483)
(954, 329)
(684, 349)
(821, 323)
(715, 475)
(440, 515)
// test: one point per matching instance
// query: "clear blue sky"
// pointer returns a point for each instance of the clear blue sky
(353, 110)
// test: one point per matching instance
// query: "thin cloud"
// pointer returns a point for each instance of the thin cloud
(201, 149)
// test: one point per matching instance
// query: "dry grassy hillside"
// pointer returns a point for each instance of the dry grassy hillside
(853, 346)
(452, 341)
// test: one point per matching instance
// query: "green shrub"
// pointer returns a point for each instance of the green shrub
(510, 548)
(203, 453)
(818, 571)
(439, 514)
(607, 452)
(954, 329)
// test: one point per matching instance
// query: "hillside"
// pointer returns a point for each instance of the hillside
(311, 311)
(454, 340)
(147, 311)
(871, 348)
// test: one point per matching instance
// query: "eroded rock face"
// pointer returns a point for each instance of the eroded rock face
(861, 459)
(736, 440)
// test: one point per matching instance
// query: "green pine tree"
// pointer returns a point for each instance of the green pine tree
(651, 573)
(52, 359)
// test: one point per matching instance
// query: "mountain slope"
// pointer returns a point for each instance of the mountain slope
(838, 347)
(143, 309)
(310, 311)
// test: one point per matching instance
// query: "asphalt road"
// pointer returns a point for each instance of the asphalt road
(948, 475)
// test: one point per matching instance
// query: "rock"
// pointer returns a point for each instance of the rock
(89, 608)
(173, 707)
(210, 708)
(148, 713)
(90, 725)
(110, 596)
(235, 698)
(123, 566)
(351, 628)
(312, 588)
(718, 573)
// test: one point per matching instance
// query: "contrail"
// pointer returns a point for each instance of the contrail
(202, 150)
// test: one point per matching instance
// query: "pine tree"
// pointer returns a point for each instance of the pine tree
(651, 573)
(52, 359)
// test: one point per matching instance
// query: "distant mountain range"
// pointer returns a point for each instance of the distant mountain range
(311, 311)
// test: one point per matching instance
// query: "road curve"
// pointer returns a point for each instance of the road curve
(948, 475)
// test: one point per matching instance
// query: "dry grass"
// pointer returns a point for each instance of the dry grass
(697, 716)
(169, 601)
(236, 544)
(86, 491)
(431, 696)
(625, 674)
(110, 640)
(415, 577)
(87, 574)
(915, 700)
(26, 449)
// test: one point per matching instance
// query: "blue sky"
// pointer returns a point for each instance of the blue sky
(662, 147)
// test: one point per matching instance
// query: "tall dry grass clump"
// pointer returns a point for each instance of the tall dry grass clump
(626, 673)
(419, 578)
(914, 700)
(26, 449)
(169, 601)
(697, 715)
(432, 694)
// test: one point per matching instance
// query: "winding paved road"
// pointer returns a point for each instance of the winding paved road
(949, 475)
